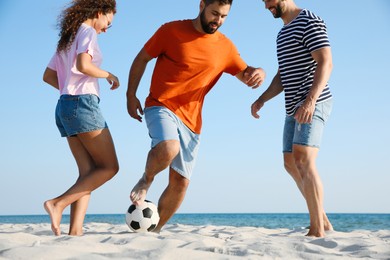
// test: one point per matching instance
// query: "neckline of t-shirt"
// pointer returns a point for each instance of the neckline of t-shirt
(206, 35)
(295, 18)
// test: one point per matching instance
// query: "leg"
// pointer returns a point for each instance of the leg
(85, 165)
(171, 198)
(291, 168)
(105, 167)
(159, 158)
(78, 209)
(304, 158)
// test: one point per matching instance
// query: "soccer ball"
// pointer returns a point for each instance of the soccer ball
(142, 218)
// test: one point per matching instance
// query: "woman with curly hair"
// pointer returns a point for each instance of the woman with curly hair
(74, 70)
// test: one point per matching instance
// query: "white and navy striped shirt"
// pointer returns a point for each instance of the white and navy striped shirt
(295, 42)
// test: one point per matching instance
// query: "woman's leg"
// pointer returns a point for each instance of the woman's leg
(85, 165)
(99, 145)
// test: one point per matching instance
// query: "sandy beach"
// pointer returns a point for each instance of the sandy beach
(107, 241)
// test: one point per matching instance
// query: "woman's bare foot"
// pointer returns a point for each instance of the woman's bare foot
(138, 194)
(55, 216)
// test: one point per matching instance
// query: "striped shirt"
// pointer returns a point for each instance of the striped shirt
(295, 42)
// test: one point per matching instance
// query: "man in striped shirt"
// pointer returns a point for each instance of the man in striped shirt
(305, 65)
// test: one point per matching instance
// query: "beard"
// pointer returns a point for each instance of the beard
(207, 26)
(278, 13)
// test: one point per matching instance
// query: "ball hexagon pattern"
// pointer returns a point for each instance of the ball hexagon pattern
(142, 218)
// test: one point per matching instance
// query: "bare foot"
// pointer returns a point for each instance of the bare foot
(315, 233)
(138, 194)
(55, 216)
(156, 230)
(328, 226)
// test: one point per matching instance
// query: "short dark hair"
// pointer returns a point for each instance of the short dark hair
(221, 2)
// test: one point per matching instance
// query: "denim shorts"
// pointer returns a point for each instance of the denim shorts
(306, 134)
(164, 125)
(79, 114)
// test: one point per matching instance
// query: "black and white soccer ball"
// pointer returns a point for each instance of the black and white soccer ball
(142, 218)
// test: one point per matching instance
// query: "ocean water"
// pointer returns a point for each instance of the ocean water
(341, 222)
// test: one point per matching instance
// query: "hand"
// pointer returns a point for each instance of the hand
(256, 106)
(113, 81)
(133, 106)
(254, 77)
(304, 114)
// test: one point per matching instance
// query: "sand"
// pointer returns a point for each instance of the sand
(185, 242)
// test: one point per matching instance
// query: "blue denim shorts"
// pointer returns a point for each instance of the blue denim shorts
(306, 134)
(164, 125)
(79, 114)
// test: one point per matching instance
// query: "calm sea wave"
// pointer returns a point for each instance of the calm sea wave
(341, 222)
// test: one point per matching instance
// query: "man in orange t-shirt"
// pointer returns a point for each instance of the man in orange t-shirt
(191, 57)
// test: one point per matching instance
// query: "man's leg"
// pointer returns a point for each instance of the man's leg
(171, 198)
(291, 168)
(311, 186)
(159, 158)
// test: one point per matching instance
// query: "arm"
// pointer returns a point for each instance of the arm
(252, 77)
(136, 72)
(274, 89)
(50, 77)
(84, 65)
(323, 57)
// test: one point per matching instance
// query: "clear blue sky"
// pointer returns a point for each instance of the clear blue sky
(240, 165)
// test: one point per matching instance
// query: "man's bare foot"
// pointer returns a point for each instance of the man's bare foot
(138, 194)
(316, 233)
(328, 226)
(55, 217)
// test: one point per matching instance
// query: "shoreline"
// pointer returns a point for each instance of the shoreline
(344, 222)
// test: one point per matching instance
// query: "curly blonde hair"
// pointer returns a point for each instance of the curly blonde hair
(77, 12)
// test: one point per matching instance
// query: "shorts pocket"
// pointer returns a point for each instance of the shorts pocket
(69, 106)
(326, 109)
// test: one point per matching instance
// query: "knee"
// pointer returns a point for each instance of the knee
(178, 182)
(303, 163)
(184, 183)
(167, 150)
(179, 188)
(300, 163)
(111, 170)
(289, 166)
(114, 169)
(289, 163)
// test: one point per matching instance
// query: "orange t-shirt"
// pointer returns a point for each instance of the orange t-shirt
(188, 65)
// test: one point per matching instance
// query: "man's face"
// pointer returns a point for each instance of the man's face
(213, 16)
(275, 7)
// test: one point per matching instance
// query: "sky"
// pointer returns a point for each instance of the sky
(239, 168)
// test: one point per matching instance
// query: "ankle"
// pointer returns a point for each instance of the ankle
(147, 178)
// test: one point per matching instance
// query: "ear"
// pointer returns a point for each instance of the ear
(202, 5)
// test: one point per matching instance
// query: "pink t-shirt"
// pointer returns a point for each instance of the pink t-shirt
(71, 81)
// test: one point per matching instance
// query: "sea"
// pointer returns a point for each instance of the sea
(341, 221)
